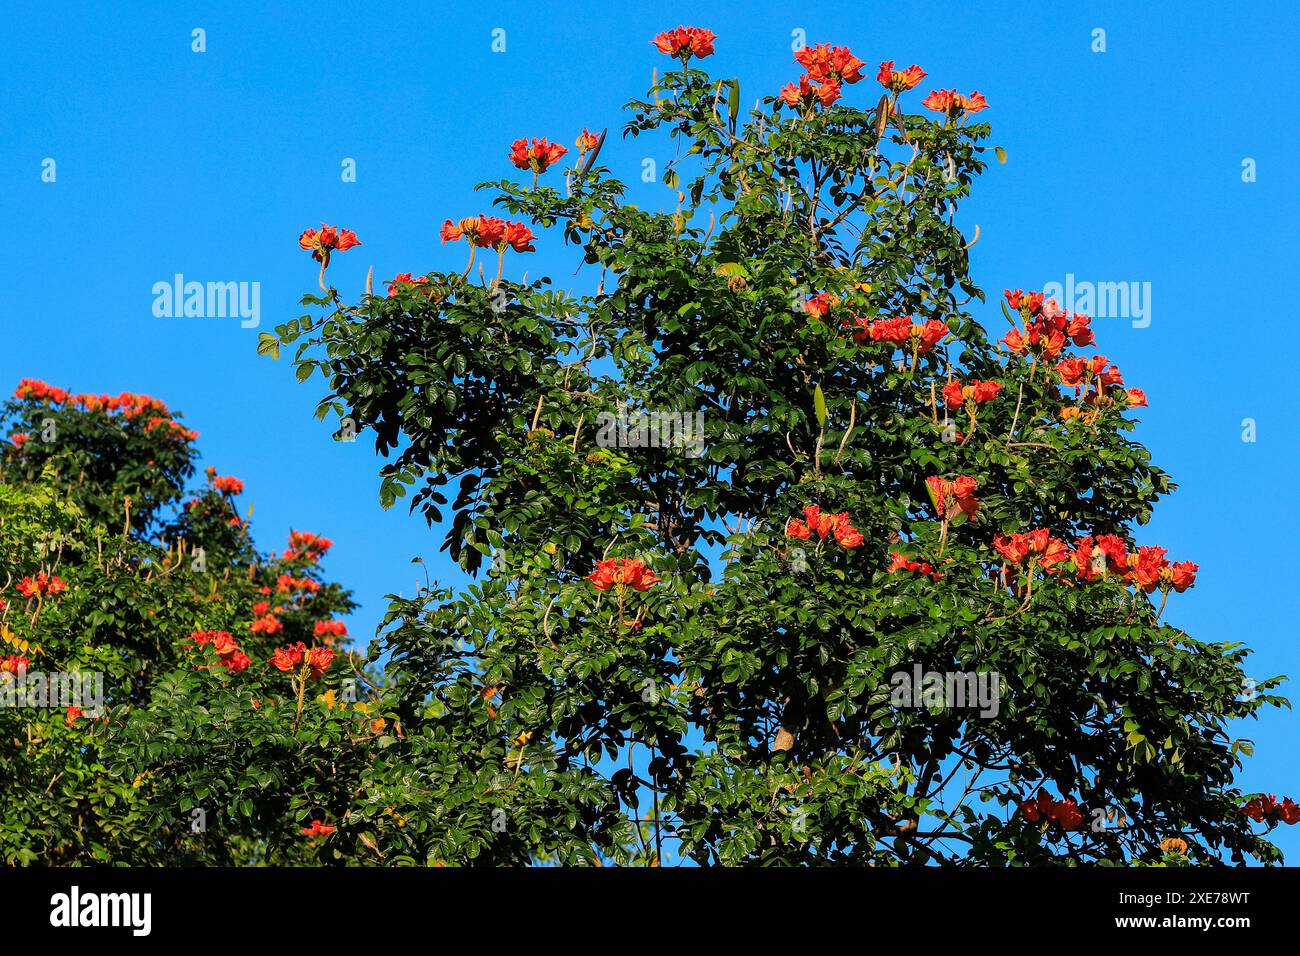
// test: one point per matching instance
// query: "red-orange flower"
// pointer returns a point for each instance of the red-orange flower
(41, 585)
(899, 80)
(289, 657)
(326, 240)
(519, 237)
(836, 525)
(825, 62)
(330, 629)
(538, 157)
(899, 562)
(318, 828)
(228, 651)
(305, 545)
(685, 42)
(952, 103)
(587, 142)
(1036, 547)
(959, 492)
(618, 572)
(975, 392)
(267, 624)
(228, 484)
(406, 279)
(1182, 575)
(1064, 813)
(319, 660)
(1268, 808)
(806, 93)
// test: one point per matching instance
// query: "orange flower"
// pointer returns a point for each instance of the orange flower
(685, 42)
(1173, 845)
(327, 239)
(899, 80)
(620, 572)
(806, 93)
(976, 392)
(825, 63)
(952, 103)
(289, 657)
(519, 237)
(836, 525)
(538, 157)
(318, 828)
(40, 585)
(319, 660)
(960, 492)
(587, 142)
(899, 562)
(1031, 547)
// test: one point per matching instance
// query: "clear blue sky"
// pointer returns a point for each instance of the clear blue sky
(1122, 166)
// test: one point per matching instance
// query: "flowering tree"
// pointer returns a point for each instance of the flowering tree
(748, 655)
(168, 694)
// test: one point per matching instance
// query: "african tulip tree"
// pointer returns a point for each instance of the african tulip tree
(711, 652)
(168, 693)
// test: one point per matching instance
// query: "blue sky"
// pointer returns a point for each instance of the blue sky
(1123, 166)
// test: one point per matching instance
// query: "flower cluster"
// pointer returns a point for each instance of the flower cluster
(328, 630)
(228, 651)
(40, 586)
(685, 42)
(539, 157)
(836, 525)
(288, 584)
(901, 562)
(318, 828)
(958, 492)
(623, 572)
(898, 81)
(293, 656)
(227, 484)
(1267, 808)
(14, 664)
(404, 279)
(128, 404)
(489, 232)
(1147, 568)
(265, 623)
(173, 428)
(306, 546)
(327, 239)
(1064, 813)
(1047, 329)
(916, 337)
(973, 393)
(828, 69)
(953, 104)
(1175, 845)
